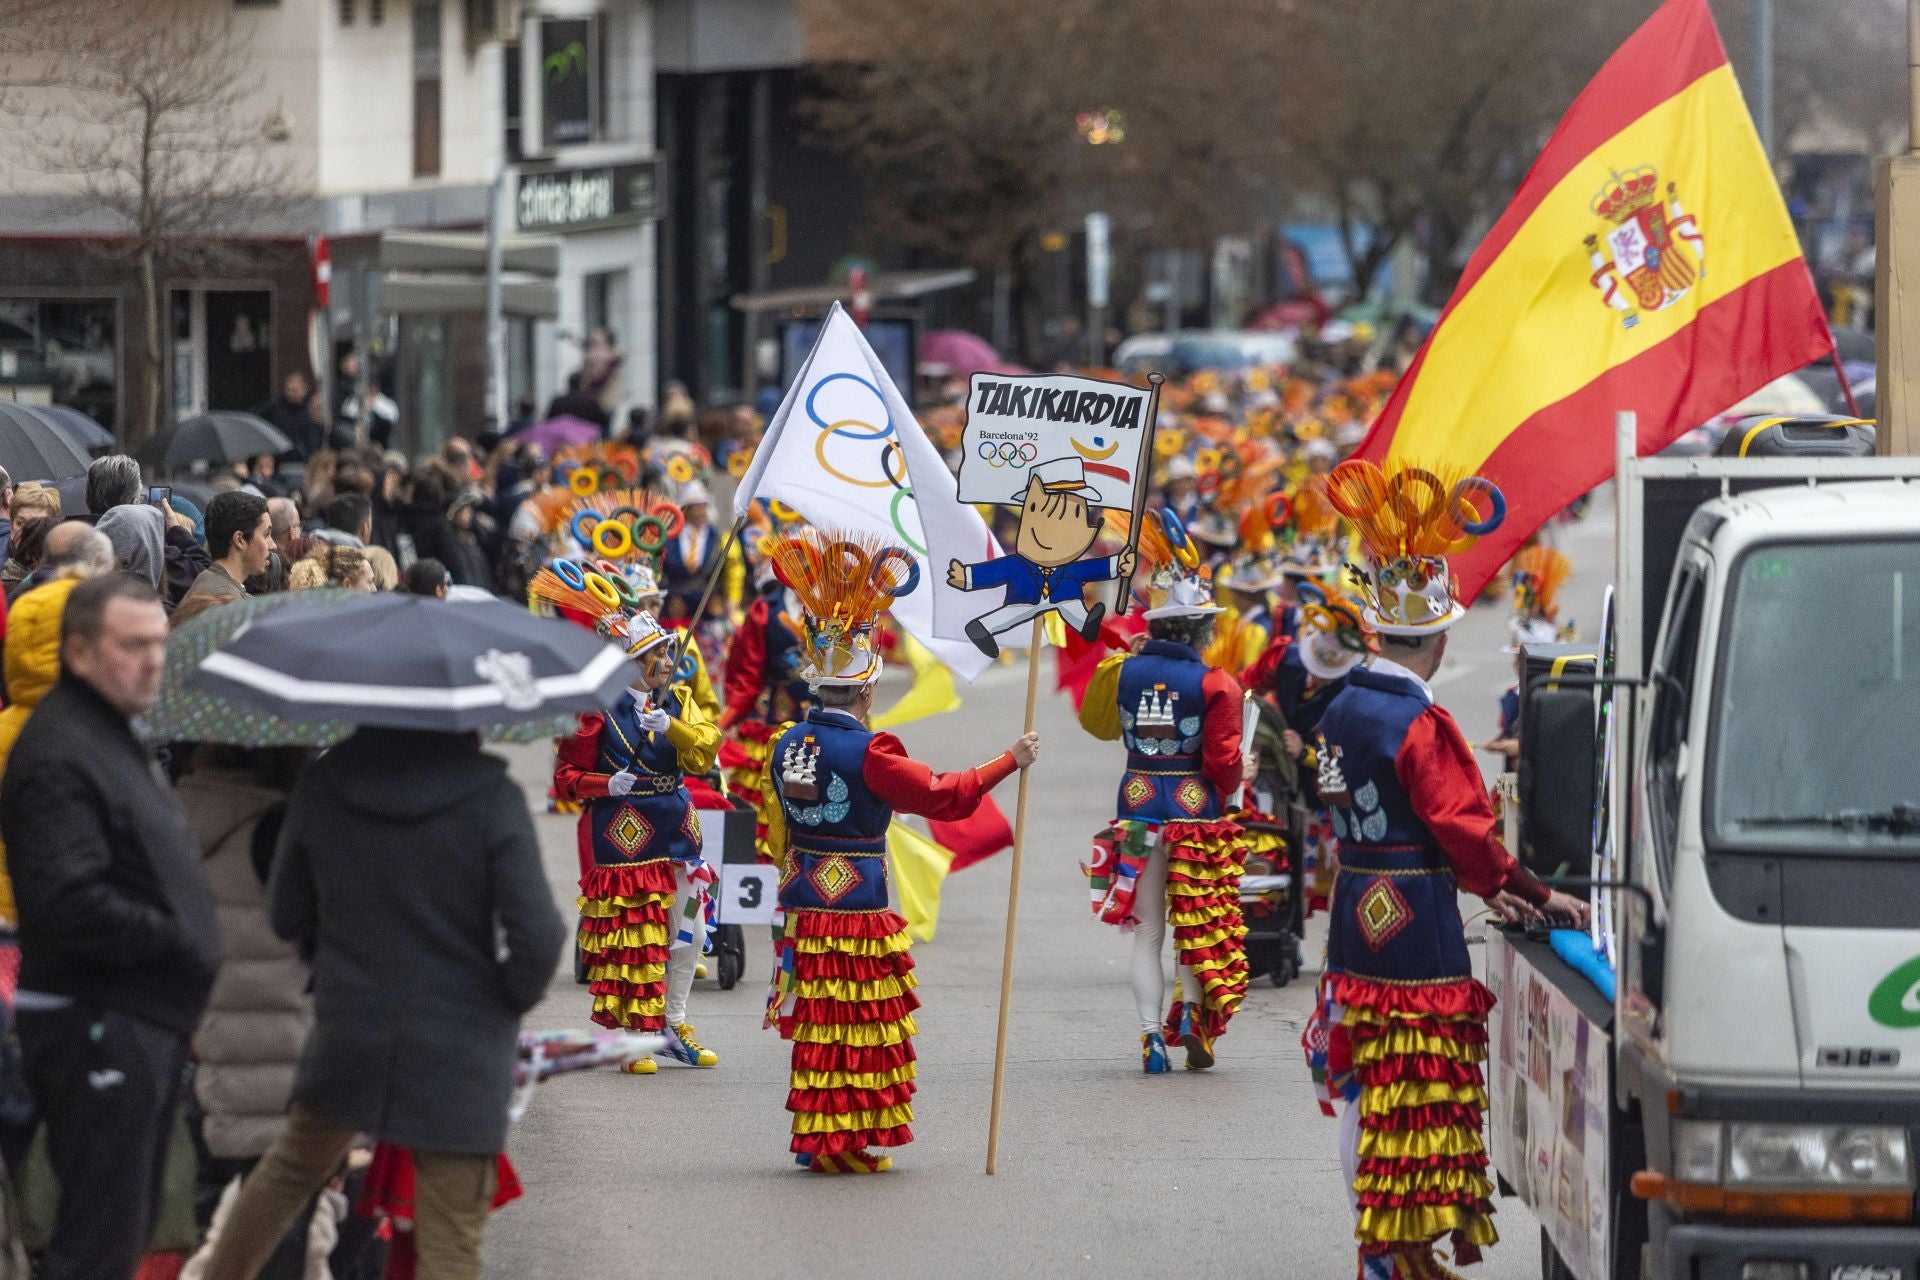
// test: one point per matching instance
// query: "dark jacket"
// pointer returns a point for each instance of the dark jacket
(115, 911)
(408, 860)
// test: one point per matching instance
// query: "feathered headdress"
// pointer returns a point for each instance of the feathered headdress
(1334, 635)
(1178, 585)
(601, 599)
(844, 582)
(1312, 531)
(1410, 519)
(1538, 574)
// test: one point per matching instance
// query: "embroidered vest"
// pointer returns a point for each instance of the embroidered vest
(656, 819)
(1395, 915)
(836, 828)
(1163, 708)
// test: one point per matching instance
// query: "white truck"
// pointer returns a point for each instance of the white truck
(1742, 781)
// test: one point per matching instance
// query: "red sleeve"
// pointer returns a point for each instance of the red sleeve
(573, 774)
(1220, 732)
(746, 661)
(909, 786)
(1437, 769)
(1259, 677)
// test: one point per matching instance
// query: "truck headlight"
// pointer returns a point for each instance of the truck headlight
(1850, 1156)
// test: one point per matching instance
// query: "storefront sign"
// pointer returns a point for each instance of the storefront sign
(585, 199)
(569, 69)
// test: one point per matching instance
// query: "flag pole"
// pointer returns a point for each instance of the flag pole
(719, 567)
(1846, 387)
(1013, 904)
(1122, 593)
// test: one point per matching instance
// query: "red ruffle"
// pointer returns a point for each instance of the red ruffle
(1460, 1031)
(628, 879)
(842, 1013)
(1409, 1166)
(845, 1140)
(1197, 835)
(851, 1057)
(1463, 998)
(1418, 1199)
(1427, 1067)
(842, 1100)
(850, 924)
(1431, 1115)
(809, 965)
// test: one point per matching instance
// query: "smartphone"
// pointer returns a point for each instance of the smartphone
(159, 495)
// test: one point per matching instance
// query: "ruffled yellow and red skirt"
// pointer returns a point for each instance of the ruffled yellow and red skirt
(1204, 862)
(848, 986)
(625, 931)
(745, 759)
(1416, 1051)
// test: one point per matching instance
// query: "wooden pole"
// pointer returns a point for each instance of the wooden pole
(1122, 593)
(1013, 903)
(719, 567)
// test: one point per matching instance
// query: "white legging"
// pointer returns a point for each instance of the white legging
(682, 956)
(1150, 998)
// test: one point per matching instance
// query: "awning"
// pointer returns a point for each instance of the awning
(891, 286)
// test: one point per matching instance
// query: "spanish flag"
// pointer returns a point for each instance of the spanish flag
(1645, 263)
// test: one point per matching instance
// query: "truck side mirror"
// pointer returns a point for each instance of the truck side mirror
(1558, 746)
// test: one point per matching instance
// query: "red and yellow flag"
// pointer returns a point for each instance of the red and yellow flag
(1645, 263)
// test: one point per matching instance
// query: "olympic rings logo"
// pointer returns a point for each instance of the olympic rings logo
(837, 423)
(1009, 454)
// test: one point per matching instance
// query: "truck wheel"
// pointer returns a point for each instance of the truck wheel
(730, 967)
(1631, 1227)
(1552, 1265)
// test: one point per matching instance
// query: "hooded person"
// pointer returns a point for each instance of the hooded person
(138, 535)
(1398, 1002)
(643, 885)
(1172, 854)
(843, 986)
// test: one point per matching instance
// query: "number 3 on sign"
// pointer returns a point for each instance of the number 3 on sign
(748, 893)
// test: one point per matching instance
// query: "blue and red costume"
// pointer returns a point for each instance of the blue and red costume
(1303, 698)
(1403, 1018)
(763, 690)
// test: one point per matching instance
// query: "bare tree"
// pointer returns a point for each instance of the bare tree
(148, 116)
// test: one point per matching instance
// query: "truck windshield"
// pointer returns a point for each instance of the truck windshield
(1817, 731)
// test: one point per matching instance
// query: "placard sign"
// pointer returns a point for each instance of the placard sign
(1093, 431)
(749, 893)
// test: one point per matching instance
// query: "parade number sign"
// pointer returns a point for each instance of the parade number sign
(749, 893)
(1018, 424)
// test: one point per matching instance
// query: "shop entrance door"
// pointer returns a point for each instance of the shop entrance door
(222, 350)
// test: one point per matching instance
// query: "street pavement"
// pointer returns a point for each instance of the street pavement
(1102, 1170)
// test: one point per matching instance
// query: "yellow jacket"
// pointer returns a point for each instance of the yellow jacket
(1100, 709)
(700, 687)
(695, 738)
(32, 665)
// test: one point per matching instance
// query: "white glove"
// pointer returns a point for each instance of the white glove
(654, 720)
(622, 782)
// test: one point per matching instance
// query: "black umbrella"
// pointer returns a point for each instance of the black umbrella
(412, 662)
(93, 437)
(34, 446)
(214, 437)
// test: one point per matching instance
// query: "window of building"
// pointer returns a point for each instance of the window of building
(426, 88)
(62, 351)
(346, 13)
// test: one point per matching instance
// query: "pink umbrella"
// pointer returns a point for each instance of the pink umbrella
(558, 433)
(964, 354)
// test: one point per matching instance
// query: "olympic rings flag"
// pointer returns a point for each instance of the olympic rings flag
(844, 449)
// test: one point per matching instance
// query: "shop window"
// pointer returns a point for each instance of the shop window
(426, 88)
(62, 351)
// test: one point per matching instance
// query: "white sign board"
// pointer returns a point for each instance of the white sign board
(749, 893)
(1094, 431)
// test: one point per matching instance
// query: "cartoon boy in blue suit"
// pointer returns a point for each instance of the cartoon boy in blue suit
(1045, 572)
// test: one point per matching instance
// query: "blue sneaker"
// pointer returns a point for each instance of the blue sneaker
(682, 1047)
(1153, 1054)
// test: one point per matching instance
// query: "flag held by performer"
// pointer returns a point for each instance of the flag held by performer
(1647, 262)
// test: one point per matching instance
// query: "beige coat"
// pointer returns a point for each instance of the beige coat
(249, 1043)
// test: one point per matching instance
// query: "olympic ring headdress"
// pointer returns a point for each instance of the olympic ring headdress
(1178, 586)
(1410, 519)
(1334, 636)
(601, 599)
(1538, 574)
(1313, 533)
(844, 581)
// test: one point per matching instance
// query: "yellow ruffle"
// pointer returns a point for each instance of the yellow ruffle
(1461, 1182)
(632, 936)
(1211, 938)
(849, 990)
(1400, 1042)
(875, 948)
(1420, 1144)
(628, 1011)
(1378, 1100)
(638, 974)
(853, 1079)
(1208, 873)
(1423, 1223)
(863, 1035)
(831, 1122)
(604, 907)
(1395, 1018)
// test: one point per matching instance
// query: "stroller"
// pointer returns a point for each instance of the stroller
(1272, 900)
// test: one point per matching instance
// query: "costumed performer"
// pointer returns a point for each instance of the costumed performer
(1399, 1030)
(843, 984)
(643, 900)
(1538, 574)
(1173, 856)
(763, 690)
